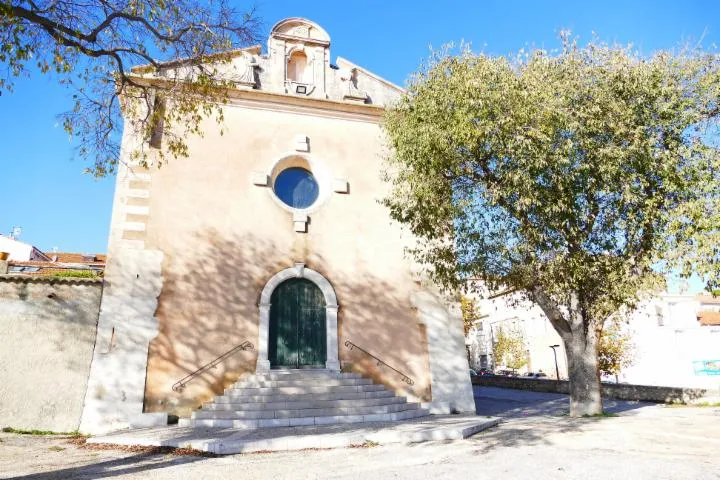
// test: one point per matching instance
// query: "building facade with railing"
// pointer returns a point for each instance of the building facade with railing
(271, 234)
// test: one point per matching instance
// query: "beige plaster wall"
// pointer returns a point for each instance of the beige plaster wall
(47, 334)
(222, 238)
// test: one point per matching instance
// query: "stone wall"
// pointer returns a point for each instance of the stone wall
(223, 237)
(619, 391)
(47, 335)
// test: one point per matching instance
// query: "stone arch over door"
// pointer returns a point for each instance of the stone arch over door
(331, 309)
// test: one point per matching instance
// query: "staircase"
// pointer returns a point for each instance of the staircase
(303, 397)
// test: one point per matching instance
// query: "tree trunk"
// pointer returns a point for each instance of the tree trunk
(583, 374)
(580, 342)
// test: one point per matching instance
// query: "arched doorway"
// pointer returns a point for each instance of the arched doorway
(329, 303)
(297, 337)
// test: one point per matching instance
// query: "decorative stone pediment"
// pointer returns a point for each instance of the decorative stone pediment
(297, 62)
(300, 28)
(302, 31)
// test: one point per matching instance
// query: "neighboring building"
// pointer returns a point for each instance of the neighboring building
(708, 311)
(512, 314)
(60, 264)
(20, 251)
(676, 339)
(71, 258)
(25, 259)
(677, 342)
(270, 234)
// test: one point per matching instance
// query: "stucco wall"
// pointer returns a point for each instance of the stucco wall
(223, 237)
(668, 341)
(666, 335)
(215, 234)
(47, 334)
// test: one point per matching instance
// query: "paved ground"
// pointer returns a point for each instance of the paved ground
(506, 403)
(233, 440)
(536, 441)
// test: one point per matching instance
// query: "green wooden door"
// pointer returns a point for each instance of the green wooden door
(297, 325)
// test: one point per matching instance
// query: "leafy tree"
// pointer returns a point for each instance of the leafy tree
(77, 274)
(616, 349)
(90, 46)
(470, 313)
(575, 178)
(509, 349)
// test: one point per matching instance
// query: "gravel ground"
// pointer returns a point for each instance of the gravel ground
(535, 441)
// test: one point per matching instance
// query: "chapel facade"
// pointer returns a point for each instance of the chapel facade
(268, 244)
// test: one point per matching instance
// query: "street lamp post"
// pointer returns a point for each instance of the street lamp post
(557, 371)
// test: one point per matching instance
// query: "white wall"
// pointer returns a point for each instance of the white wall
(668, 339)
(18, 251)
(666, 334)
(509, 312)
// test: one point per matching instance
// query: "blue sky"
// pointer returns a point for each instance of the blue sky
(44, 191)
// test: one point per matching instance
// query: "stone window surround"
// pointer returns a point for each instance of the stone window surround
(299, 158)
(308, 162)
(331, 310)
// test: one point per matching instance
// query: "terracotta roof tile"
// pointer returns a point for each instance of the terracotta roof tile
(40, 268)
(708, 299)
(72, 257)
(709, 318)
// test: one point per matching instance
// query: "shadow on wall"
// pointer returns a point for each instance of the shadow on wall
(209, 304)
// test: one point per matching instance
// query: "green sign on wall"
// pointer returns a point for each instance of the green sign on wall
(706, 367)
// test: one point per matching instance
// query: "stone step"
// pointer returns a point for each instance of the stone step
(304, 375)
(304, 389)
(236, 396)
(307, 412)
(320, 382)
(286, 398)
(296, 421)
(296, 405)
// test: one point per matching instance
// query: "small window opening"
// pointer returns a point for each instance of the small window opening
(298, 68)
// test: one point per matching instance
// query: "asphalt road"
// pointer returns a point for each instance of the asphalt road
(507, 403)
(537, 441)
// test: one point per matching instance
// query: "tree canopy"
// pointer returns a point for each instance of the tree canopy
(91, 47)
(575, 177)
(470, 313)
(509, 348)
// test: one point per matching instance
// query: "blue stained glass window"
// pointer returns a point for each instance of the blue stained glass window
(296, 187)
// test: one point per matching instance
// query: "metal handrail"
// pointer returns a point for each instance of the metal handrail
(179, 386)
(403, 377)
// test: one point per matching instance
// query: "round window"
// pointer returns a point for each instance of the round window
(296, 187)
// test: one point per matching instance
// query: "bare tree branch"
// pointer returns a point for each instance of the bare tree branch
(90, 46)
